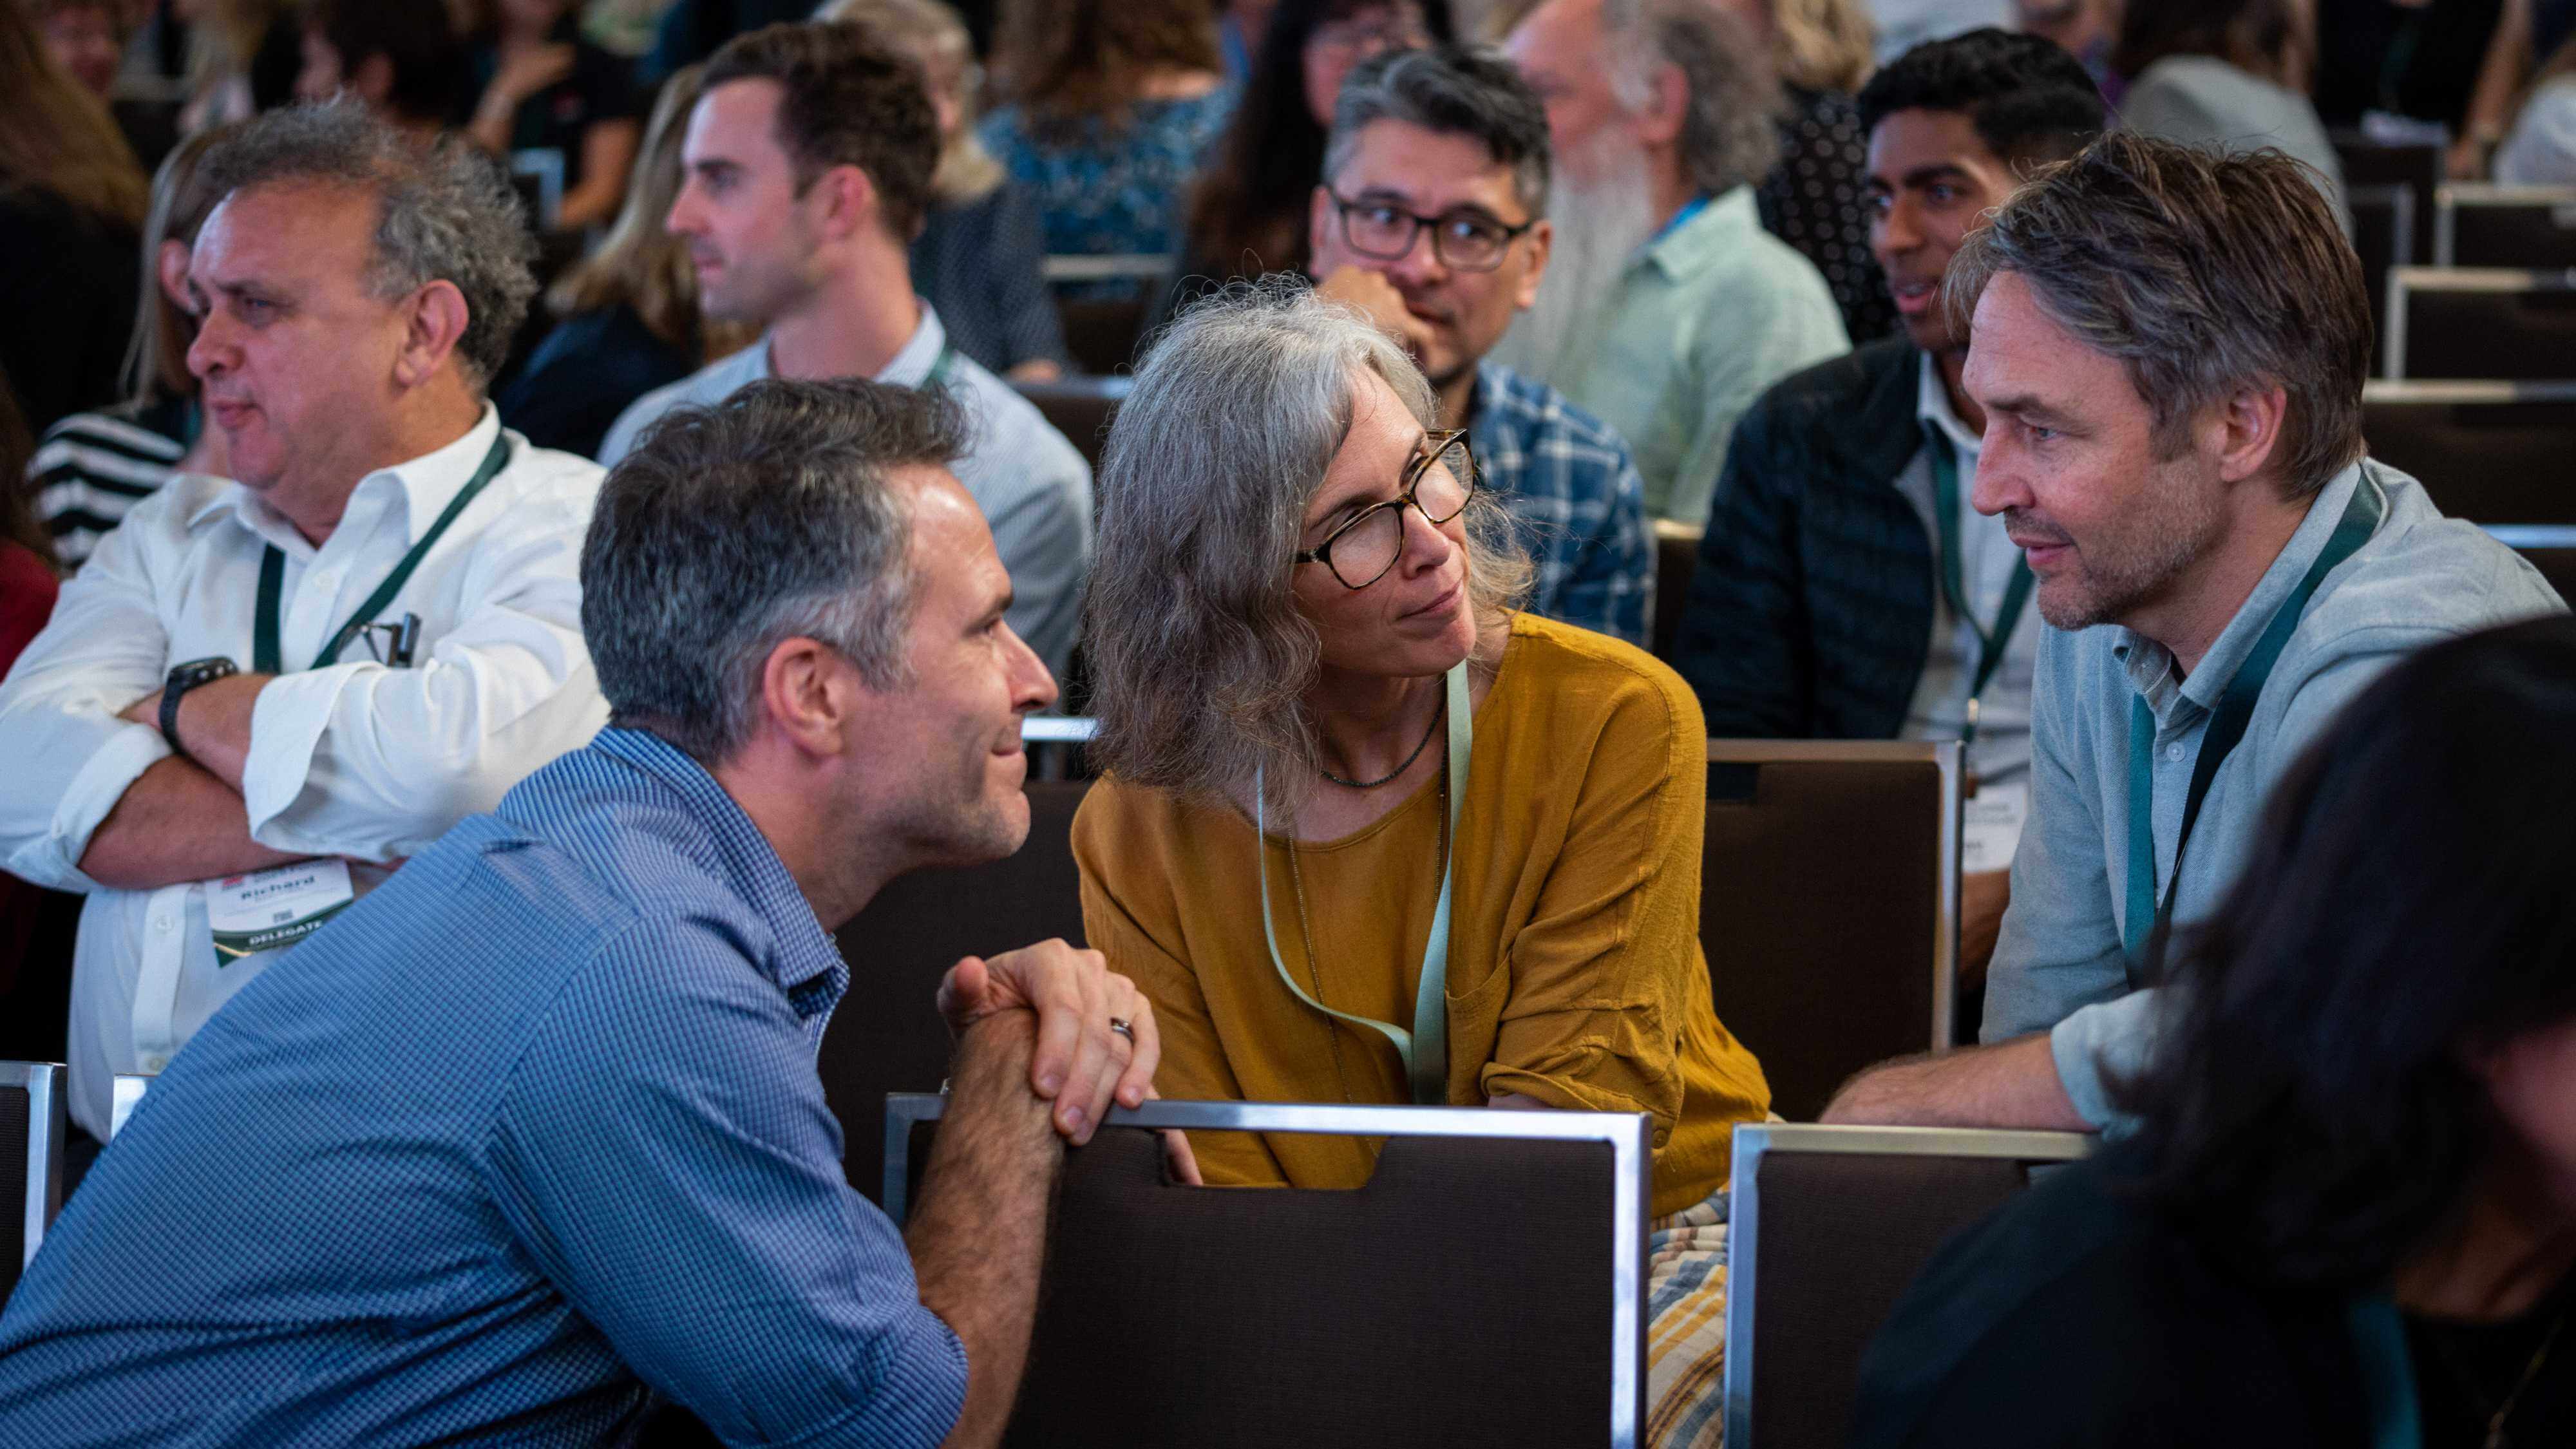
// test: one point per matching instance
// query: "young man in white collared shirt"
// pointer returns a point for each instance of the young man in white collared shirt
(317, 668)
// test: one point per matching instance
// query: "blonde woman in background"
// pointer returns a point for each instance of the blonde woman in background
(980, 257)
(630, 310)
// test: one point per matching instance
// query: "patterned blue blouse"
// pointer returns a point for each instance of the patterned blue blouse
(1106, 192)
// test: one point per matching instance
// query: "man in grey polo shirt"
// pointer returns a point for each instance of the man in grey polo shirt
(809, 160)
(2169, 348)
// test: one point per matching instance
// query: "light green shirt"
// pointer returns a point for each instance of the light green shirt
(1709, 315)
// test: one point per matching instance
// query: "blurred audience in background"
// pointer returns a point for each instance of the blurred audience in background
(87, 38)
(92, 466)
(2224, 73)
(546, 99)
(1248, 211)
(1814, 198)
(402, 57)
(2084, 29)
(2416, 71)
(1110, 106)
(630, 320)
(1669, 309)
(242, 57)
(2541, 148)
(71, 200)
(980, 257)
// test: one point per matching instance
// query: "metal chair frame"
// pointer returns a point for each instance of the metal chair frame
(1624, 1133)
(1949, 757)
(47, 1125)
(1121, 266)
(1755, 1140)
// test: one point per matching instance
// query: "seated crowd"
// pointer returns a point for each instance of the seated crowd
(511, 560)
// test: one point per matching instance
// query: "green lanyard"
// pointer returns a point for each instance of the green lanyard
(940, 367)
(2227, 724)
(265, 655)
(1991, 643)
(2387, 1373)
(1425, 1049)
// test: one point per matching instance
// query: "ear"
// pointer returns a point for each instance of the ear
(809, 695)
(2243, 432)
(847, 203)
(435, 326)
(1319, 214)
(373, 80)
(1659, 122)
(170, 264)
(1541, 238)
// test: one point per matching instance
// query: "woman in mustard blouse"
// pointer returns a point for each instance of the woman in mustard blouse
(1327, 734)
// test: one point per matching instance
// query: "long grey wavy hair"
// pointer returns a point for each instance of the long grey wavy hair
(1201, 660)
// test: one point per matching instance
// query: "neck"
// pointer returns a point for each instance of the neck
(2213, 589)
(1952, 363)
(838, 871)
(1365, 724)
(1667, 188)
(1457, 398)
(421, 425)
(2507, 1248)
(852, 326)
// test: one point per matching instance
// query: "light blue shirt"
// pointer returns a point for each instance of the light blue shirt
(529, 1131)
(2058, 966)
(1032, 484)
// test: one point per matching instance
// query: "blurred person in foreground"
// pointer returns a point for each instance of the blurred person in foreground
(1368, 832)
(92, 467)
(572, 1043)
(2169, 346)
(807, 171)
(2348, 1213)
(981, 255)
(1669, 308)
(1432, 220)
(1846, 589)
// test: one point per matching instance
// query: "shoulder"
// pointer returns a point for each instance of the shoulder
(1536, 416)
(545, 490)
(710, 384)
(1830, 392)
(1584, 687)
(1012, 437)
(2421, 577)
(117, 433)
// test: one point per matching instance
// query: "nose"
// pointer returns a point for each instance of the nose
(1033, 686)
(682, 219)
(1420, 264)
(1895, 231)
(2000, 483)
(1427, 545)
(208, 352)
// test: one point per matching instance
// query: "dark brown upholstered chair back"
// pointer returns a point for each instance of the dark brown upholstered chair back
(2419, 168)
(1080, 408)
(32, 1126)
(2383, 234)
(886, 1036)
(2489, 452)
(1676, 558)
(14, 1123)
(2476, 323)
(1829, 905)
(2505, 226)
(1829, 1226)
(1101, 333)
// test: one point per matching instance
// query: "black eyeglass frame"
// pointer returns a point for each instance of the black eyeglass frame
(1344, 206)
(1434, 443)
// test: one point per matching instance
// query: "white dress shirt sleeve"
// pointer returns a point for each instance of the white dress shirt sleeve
(70, 757)
(363, 760)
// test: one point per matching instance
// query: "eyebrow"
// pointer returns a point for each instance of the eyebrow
(1363, 500)
(1919, 177)
(2025, 405)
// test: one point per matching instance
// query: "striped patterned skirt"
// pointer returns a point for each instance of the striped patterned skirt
(1686, 1327)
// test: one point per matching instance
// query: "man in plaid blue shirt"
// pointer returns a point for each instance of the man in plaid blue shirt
(532, 1132)
(1432, 220)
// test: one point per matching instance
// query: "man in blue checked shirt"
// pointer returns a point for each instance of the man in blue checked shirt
(532, 1133)
(1432, 220)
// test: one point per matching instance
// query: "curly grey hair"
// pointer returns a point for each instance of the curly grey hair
(1730, 130)
(446, 213)
(1200, 658)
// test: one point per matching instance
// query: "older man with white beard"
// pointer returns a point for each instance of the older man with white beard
(1667, 310)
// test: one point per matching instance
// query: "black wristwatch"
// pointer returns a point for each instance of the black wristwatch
(185, 677)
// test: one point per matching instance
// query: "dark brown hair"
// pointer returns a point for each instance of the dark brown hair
(848, 98)
(57, 137)
(1064, 61)
(2259, 36)
(2203, 274)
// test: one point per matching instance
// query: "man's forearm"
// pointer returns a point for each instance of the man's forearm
(2011, 1084)
(175, 823)
(978, 1239)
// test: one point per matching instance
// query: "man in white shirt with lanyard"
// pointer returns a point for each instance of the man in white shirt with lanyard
(808, 173)
(259, 695)
(2169, 348)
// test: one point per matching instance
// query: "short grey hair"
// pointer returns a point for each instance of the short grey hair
(1200, 658)
(730, 529)
(1730, 129)
(1450, 91)
(445, 212)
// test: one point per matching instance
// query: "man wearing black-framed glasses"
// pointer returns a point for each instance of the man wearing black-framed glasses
(1431, 219)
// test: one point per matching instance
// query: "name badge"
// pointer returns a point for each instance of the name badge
(270, 910)
(1990, 827)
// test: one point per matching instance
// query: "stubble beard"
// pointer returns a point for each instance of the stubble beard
(2178, 523)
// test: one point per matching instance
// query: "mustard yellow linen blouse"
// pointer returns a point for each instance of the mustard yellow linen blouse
(1575, 973)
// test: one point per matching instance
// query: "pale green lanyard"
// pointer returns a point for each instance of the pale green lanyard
(1945, 517)
(2387, 1373)
(1425, 1049)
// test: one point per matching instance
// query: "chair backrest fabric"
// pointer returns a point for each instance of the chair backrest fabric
(2481, 323)
(1081, 408)
(886, 1035)
(2420, 167)
(2505, 226)
(2383, 234)
(1676, 559)
(1829, 905)
(2487, 452)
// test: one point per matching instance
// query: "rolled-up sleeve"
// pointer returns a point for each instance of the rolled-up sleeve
(364, 760)
(2059, 947)
(664, 1153)
(71, 758)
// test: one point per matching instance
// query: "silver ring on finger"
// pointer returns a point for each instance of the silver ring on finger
(1120, 1026)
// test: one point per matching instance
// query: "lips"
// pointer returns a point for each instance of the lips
(1447, 601)
(229, 415)
(1915, 298)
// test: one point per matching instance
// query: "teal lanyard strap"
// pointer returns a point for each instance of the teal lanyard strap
(2148, 917)
(2387, 1373)
(266, 654)
(941, 367)
(1425, 1049)
(1991, 642)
